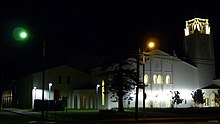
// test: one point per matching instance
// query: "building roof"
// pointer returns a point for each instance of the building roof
(159, 53)
(212, 86)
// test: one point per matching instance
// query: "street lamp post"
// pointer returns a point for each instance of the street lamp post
(21, 34)
(144, 94)
(50, 85)
(35, 93)
(141, 53)
(97, 95)
(144, 85)
(137, 86)
(43, 79)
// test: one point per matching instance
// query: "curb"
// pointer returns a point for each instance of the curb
(28, 115)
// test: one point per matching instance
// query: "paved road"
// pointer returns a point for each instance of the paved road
(16, 116)
(13, 118)
(165, 121)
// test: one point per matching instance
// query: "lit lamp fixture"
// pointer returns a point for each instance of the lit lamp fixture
(98, 85)
(97, 95)
(151, 44)
(50, 85)
(35, 93)
(20, 34)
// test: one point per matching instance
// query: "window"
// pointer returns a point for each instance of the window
(103, 92)
(60, 80)
(68, 79)
(75, 102)
(155, 79)
(7, 98)
(159, 79)
(167, 79)
(83, 102)
(145, 79)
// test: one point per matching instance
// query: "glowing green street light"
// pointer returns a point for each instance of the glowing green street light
(20, 34)
(23, 35)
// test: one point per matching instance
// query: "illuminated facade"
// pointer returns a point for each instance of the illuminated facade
(165, 73)
(199, 50)
(162, 74)
(197, 24)
(76, 86)
(7, 98)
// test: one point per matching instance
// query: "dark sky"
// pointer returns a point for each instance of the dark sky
(94, 27)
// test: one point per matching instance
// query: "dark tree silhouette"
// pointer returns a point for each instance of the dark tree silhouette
(217, 97)
(176, 98)
(120, 80)
(198, 97)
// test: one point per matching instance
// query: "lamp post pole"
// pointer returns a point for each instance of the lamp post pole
(50, 85)
(35, 93)
(21, 34)
(150, 45)
(97, 96)
(137, 87)
(43, 79)
(144, 94)
(1, 88)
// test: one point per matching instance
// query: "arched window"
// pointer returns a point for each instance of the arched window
(91, 103)
(145, 79)
(103, 92)
(75, 102)
(83, 102)
(155, 79)
(159, 79)
(167, 79)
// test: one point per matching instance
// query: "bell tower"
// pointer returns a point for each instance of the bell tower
(199, 50)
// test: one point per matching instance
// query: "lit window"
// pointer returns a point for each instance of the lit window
(103, 91)
(159, 79)
(167, 79)
(155, 79)
(199, 24)
(145, 79)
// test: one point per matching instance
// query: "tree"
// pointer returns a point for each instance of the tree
(217, 97)
(198, 97)
(176, 98)
(120, 80)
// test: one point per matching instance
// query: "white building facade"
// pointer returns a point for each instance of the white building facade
(161, 73)
(164, 74)
(66, 82)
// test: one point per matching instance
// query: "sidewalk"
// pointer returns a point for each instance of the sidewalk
(37, 115)
(63, 119)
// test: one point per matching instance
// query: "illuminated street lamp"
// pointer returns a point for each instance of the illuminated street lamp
(97, 95)
(50, 85)
(35, 93)
(20, 34)
(23, 34)
(150, 45)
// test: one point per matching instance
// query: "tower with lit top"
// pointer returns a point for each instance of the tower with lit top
(199, 50)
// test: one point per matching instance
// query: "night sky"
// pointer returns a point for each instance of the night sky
(94, 27)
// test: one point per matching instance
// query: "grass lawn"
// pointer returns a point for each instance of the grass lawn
(149, 113)
(93, 114)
